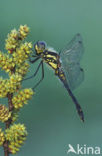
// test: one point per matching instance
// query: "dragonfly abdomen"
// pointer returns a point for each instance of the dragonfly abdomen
(78, 107)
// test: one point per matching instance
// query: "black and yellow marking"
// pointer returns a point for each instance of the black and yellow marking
(53, 60)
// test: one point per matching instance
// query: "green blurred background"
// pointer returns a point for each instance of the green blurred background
(51, 117)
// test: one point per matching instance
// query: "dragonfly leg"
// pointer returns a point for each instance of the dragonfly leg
(33, 61)
(35, 71)
(41, 77)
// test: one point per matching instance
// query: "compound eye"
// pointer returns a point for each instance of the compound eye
(41, 44)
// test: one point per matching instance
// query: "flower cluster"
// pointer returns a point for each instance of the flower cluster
(3, 92)
(15, 63)
(22, 53)
(22, 98)
(23, 31)
(6, 63)
(2, 137)
(22, 70)
(15, 37)
(13, 83)
(4, 113)
(10, 85)
(16, 136)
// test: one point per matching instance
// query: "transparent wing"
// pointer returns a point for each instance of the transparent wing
(74, 75)
(70, 61)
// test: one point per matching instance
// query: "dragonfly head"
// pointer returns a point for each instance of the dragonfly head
(39, 47)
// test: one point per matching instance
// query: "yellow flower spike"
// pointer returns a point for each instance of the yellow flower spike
(22, 97)
(14, 78)
(23, 30)
(22, 69)
(4, 113)
(3, 89)
(11, 85)
(2, 137)
(16, 135)
(15, 64)
(22, 53)
(15, 37)
(12, 41)
(6, 62)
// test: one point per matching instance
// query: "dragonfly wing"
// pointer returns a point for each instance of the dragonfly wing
(70, 61)
(74, 75)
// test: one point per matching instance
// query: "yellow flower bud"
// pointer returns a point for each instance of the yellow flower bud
(22, 53)
(6, 62)
(23, 30)
(16, 136)
(2, 137)
(4, 113)
(15, 37)
(22, 97)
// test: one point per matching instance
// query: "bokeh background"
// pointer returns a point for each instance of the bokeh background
(50, 116)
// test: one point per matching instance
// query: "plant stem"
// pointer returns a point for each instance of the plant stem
(8, 123)
(6, 150)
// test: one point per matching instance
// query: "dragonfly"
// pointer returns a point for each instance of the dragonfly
(66, 65)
